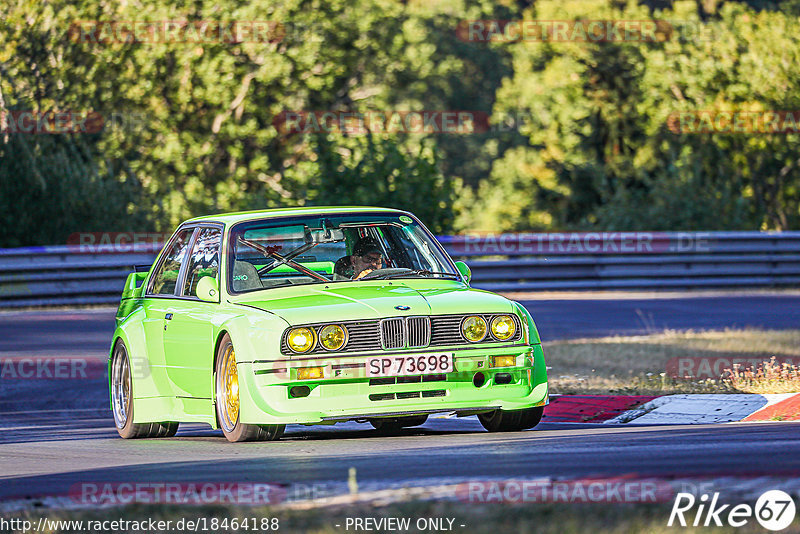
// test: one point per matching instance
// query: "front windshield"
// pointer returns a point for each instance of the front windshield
(333, 248)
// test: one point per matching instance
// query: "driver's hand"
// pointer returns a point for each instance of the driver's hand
(363, 273)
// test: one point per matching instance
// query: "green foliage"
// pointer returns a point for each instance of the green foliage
(378, 172)
(52, 187)
(190, 127)
(600, 153)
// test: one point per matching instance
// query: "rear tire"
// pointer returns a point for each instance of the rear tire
(121, 383)
(394, 425)
(511, 421)
(227, 397)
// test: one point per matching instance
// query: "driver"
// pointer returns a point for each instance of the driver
(367, 256)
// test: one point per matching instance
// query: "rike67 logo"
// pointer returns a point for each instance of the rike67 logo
(774, 510)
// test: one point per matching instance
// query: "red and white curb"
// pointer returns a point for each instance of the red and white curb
(681, 409)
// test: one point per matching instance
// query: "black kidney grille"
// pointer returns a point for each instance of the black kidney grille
(418, 331)
(393, 333)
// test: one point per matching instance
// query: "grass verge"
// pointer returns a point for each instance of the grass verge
(646, 365)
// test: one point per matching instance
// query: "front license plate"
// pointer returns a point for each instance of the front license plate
(421, 364)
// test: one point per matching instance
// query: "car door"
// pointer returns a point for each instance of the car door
(158, 304)
(189, 335)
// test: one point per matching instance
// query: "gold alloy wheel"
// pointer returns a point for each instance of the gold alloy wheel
(229, 389)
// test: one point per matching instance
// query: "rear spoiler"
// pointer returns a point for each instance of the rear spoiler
(133, 285)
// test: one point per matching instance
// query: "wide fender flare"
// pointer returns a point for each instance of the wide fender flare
(255, 337)
(131, 333)
(539, 366)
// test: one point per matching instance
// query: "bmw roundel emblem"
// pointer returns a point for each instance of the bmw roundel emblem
(404, 308)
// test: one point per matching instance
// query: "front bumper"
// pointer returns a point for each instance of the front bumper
(346, 393)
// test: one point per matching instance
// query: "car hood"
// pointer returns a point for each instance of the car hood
(374, 300)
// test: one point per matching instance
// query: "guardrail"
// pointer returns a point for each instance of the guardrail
(72, 275)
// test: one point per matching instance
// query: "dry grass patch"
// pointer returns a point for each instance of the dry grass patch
(639, 364)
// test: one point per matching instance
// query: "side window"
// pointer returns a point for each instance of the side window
(166, 277)
(204, 260)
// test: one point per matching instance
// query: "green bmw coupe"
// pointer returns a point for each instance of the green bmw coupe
(252, 321)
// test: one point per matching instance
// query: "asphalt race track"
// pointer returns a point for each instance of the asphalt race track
(55, 434)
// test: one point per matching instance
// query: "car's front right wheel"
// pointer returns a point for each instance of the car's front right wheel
(511, 421)
(227, 401)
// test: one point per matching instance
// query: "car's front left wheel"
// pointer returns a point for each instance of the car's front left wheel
(227, 401)
(122, 401)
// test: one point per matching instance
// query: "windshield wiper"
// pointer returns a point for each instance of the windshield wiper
(418, 272)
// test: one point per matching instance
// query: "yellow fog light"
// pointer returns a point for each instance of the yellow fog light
(301, 339)
(504, 361)
(474, 328)
(503, 327)
(309, 373)
(333, 336)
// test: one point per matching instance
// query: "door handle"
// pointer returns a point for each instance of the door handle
(168, 317)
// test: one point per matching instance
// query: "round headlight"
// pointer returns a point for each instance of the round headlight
(503, 327)
(474, 328)
(333, 336)
(301, 339)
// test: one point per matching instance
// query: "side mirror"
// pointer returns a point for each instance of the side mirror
(464, 270)
(207, 289)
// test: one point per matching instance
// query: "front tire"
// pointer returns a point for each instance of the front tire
(122, 401)
(227, 401)
(513, 421)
